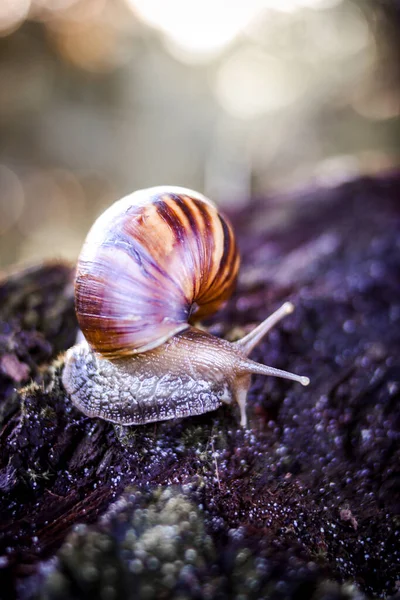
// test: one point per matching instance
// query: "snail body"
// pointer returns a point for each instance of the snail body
(152, 265)
(154, 385)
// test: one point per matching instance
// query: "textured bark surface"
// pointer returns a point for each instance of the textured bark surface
(304, 503)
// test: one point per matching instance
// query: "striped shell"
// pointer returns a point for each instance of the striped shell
(151, 264)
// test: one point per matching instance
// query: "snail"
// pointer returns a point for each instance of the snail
(152, 265)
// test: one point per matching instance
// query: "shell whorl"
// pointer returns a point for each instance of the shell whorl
(152, 263)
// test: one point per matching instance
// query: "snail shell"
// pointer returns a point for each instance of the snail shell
(151, 264)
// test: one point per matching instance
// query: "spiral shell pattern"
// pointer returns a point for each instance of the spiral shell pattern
(151, 264)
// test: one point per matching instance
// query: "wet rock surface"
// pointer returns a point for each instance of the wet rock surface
(303, 503)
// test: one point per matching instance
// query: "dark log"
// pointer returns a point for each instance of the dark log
(304, 503)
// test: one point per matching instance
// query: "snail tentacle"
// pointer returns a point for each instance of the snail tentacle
(250, 341)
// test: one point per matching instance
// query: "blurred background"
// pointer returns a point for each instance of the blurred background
(234, 98)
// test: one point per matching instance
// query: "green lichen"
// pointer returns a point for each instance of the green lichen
(148, 545)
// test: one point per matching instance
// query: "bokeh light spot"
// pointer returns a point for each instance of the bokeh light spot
(198, 27)
(250, 83)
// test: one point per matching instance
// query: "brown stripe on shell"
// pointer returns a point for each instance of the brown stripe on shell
(199, 236)
(225, 260)
(167, 213)
(229, 263)
(192, 258)
(224, 272)
(194, 240)
(184, 269)
(210, 239)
